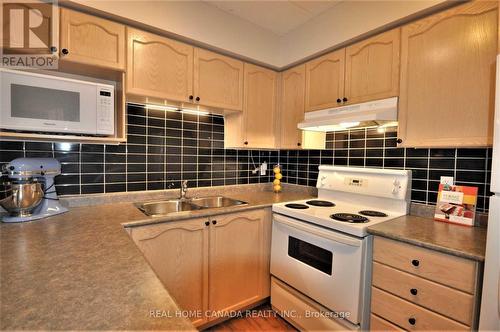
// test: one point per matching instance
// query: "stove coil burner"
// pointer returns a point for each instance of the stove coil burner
(317, 202)
(297, 206)
(371, 213)
(349, 217)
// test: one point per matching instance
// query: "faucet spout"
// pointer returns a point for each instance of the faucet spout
(183, 189)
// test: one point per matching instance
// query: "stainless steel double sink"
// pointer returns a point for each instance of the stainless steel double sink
(162, 208)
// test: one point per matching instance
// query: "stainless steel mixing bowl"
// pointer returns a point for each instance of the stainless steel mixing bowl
(20, 197)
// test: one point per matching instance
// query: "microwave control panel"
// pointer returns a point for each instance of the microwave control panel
(105, 110)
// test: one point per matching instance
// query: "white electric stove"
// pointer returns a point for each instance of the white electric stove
(321, 248)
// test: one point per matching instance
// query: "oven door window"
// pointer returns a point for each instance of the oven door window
(33, 102)
(314, 256)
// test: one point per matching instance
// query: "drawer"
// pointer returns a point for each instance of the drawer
(444, 300)
(452, 271)
(379, 324)
(404, 313)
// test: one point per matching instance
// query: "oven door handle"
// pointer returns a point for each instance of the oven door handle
(330, 235)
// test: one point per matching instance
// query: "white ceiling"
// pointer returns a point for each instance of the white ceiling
(279, 17)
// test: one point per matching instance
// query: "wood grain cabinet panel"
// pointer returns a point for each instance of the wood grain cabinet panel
(441, 299)
(91, 40)
(325, 81)
(447, 77)
(259, 110)
(178, 253)
(218, 80)
(292, 104)
(372, 68)
(379, 324)
(453, 271)
(239, 259)
(158, 67)
(409, 316)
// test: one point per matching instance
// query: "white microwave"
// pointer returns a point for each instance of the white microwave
(45, 103)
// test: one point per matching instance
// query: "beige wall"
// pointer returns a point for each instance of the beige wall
(209, 25)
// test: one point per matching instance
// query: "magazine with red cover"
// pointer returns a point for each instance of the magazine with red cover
(456, 204)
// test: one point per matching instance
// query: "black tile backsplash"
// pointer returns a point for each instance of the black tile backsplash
(164, 148)
(370, 148)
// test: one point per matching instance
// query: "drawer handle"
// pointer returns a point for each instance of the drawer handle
(415, 262)
(412, 321)
(413, 291)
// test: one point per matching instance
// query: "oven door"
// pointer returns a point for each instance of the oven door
(35, 102)
(323, 264)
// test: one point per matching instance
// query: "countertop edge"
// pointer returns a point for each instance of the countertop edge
(427, 245)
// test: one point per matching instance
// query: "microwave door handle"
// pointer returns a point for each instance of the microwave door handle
(318, 232)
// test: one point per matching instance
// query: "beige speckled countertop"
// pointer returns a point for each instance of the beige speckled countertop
(81, 271)
(462, 241)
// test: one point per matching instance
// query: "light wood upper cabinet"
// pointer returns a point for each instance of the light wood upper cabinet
(158, 67)
(259, 110)
(447, 77)
(292, 103)
(239, 259)
(325, 81)
(218, 80)
(178, 253)
(372, 68)
(91, 40)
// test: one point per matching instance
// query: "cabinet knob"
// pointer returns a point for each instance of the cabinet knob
(344, 99)
(399, 141)
(246, 142)
(339, 100)
(197, 98)
(214, 222)
(413, 291)
(53, 49)
(65, 51)
(207, 223)
(412, 321)
(415, 262)
(299, 144)
(191, 97)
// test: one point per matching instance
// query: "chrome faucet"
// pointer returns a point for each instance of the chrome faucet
(184, 189)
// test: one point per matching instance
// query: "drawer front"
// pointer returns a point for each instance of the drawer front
(408, 315)
(446, 269)
(379, 324)
(444, 300)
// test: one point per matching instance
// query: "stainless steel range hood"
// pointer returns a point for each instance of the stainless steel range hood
(377, 113)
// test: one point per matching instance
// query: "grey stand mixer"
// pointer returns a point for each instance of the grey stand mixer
(27, 189)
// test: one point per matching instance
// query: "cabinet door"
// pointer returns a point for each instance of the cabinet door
(158, 67)
(448, 77)
(92, 40)
(178, 253)
(259, 110)
(325, 81)
(218, 80)
(372, 68)
(292, 106)
(239, 259)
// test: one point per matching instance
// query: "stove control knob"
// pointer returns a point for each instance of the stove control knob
(396, 186)
(323, 180)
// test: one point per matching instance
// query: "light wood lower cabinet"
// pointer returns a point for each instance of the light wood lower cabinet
(211, 264)
(92, 40)
(178, 253)
(415, 288)
(447, 77)
(239, 259)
